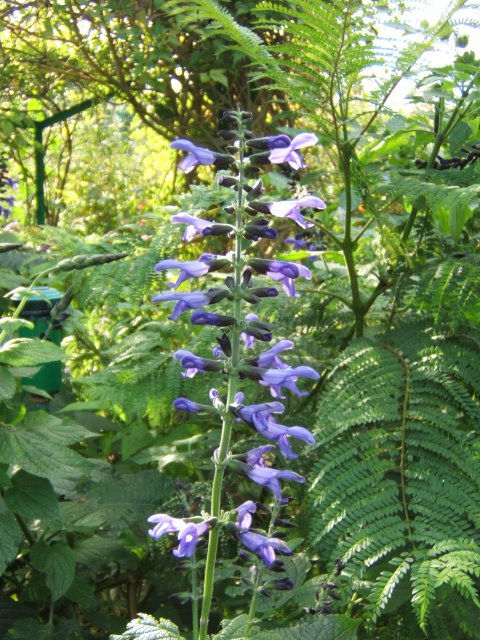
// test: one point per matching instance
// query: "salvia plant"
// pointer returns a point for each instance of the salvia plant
(244, 218)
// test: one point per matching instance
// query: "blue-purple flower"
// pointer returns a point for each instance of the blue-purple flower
(214, 319)
(260, 417)
(245, 510)
(193, 268)
(257, 456)
(276, 379)
(184, 404)
(264, 547)
(200, 226)
(291, 209)
(289, 153)
(188, 532)
(194, 364)
(281, 271)
(270, 357)
(269, 477)
(195, 156)
(190, 300)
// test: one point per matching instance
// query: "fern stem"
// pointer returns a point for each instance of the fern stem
(403, 437)
(221, 455)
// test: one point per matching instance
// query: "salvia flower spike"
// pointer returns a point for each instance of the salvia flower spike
(234, 357)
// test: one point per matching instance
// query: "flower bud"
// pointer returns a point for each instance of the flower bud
(228, 181)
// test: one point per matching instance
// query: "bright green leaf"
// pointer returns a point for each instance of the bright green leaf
(7, 384)
(29, 352)
(146, 627)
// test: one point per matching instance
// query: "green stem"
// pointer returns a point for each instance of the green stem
(24, 300)
(228, 421)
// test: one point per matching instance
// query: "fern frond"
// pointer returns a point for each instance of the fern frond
(396, 487)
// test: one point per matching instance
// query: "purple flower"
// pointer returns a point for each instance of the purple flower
(279, 141)
(270, 357)
(184, 404)
(200, 226)
(269, 478)
(194, 364)
(289, 153)
(278, 378)
(291, 209)
(244, 520)
(207, 262)
(264, 547)
(215, 319)
(196, 155)
(191, 269)
(255, 330)
(195, 225)
(257, 455)
(188, 532)
(260, 417)
(258, 414)
(281, 271)
(190, 300)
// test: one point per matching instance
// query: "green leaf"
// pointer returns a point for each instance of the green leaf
(331, 627)
(146, 627)
(10, 539)
(7, 384)
(12, 325)
(235, 630)
(10, 611)
(40, 454)
(32, 497)
(28, 352)
(82, 592)
(57, 562)
(28, 628)
(95, 550)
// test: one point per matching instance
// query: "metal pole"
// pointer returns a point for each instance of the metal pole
(39, 154)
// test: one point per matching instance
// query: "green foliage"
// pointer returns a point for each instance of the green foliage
(395, 493)
(325, 627)
(147, 628)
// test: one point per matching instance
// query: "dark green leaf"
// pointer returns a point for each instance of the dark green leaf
(57, 562)
(10, 539)
(32, 497)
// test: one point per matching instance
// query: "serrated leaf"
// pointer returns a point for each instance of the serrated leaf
(10, 539)
(57, 562)
(40, 454)
(236, 630)
(96, 549)
(27, 352)
(331, 627)
(32, 497)
(146, 627)
(7, 384)
(61, 432)
(132, 497)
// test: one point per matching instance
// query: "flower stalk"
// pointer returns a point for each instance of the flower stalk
(239, 333)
